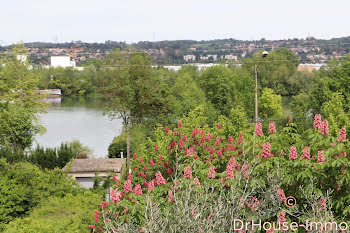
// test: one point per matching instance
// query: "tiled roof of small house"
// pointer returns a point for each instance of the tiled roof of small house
(93, 165)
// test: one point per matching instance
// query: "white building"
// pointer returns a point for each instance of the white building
(230, 57)
(190, 58)
(62, 61)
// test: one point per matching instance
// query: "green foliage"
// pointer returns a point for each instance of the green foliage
(23, 186)
(138, 134)
(270, 104)
(334, 111)
(276, 70)
(20, 103)
(217, 84)
(71, 213)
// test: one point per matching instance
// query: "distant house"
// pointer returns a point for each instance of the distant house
(84, 170)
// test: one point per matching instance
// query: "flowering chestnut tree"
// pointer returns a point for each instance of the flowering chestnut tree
(206, 175)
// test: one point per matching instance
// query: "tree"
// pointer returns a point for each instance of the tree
(131, 90)
(19, 101)
(275, 70)
(270, 105)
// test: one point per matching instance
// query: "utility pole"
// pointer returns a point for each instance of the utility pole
(263, 55)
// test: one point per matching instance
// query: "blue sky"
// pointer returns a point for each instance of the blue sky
(138, 20)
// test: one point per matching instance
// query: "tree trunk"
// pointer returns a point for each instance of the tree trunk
(127, 145)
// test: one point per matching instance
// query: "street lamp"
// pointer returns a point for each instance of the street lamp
(263, 55)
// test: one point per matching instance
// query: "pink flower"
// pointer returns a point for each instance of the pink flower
(322, 203)
(138, 190)
(127, 186)
(281, 195)
(92, 226)
(170, 196)
(114, 196)
(306, 153)
(239, 139)
(281, 216)
(166, 129)
(196, 182)
(160, 179)
(230, 139)
(141, 160)
(161, 157)
(324, 129)
(293, 153)
(151, 162)
(211, 173)
(218, 141)
(342, 135)
(320, 157)
(317, 122)
(219, 152)
(230, 167)
(272, 128)
(155, 147)
(219, 126)
(258, 129)
(179, 124)
(254, 203)
(266, 151)
(125, 210)
(134, 156)
(209, 137)
(187, 172)
(150, 185)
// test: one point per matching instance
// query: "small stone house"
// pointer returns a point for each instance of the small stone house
(84, 170)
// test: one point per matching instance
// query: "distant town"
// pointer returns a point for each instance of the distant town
(78, 53)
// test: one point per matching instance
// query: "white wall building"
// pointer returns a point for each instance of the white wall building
(190, 58)
(62, 61)
(230, 57)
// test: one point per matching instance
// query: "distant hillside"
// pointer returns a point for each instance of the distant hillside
(310, 50)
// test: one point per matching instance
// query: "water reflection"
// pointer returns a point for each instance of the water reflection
(78, 118)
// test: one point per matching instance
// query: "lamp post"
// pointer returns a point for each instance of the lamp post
(263, 55)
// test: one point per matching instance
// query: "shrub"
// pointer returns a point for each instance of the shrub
(58, 214)
(268, 164)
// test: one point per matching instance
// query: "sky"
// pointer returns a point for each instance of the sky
(148, 20)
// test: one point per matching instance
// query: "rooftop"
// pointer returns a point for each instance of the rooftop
(93, 165)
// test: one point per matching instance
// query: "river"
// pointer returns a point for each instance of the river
(80, 119)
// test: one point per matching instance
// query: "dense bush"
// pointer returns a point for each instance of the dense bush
(71, 213)
(260, 171)
(23, 186)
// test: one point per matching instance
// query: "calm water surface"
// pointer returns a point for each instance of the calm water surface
(81, 119)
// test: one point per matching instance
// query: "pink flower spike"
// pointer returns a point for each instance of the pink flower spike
(266, 151)
(324, 129)
(150, 185)
(166, 129)
(320, 157)
(138, 190)
(293, 153)
(211, 173)
(272, 128)
(306, 153)
(127, 186)
(179, 124)
(258, 129)
(196, 182)
(219, 126)
(159, 178)
(187, 172)
(170, 196)
(230, 139)
(156, 148)
(317, 122)
(134, 156)
(342, 135)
